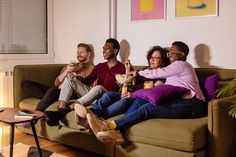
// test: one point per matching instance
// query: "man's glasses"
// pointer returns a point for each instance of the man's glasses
(172, 53)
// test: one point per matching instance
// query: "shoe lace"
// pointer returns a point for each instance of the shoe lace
(105, 125)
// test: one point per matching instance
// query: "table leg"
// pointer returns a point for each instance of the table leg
(36, 138)
(12, 139)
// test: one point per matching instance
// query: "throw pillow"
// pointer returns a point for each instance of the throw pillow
(160, 93)
(209, 86)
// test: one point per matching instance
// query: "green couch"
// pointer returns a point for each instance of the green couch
(213, 136)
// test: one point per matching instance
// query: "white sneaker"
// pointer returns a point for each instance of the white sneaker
(81, 110)
(81, 116)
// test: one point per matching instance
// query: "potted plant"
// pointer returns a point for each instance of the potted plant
(227, 90)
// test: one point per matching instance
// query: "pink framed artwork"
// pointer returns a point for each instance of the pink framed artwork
(147, 9)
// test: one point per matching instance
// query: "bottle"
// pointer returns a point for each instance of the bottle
(148, 84)
(124, 89)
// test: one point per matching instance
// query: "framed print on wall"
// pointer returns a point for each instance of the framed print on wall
(196, 8)
(147, 9)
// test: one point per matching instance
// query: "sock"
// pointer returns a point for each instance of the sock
(64, 111)
(57, 115)
(60, 109)
(112, 125)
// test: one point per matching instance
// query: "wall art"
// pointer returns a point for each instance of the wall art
(191, 8)
(147, 9)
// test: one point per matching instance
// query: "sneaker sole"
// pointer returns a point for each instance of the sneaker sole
(81, 111)
(107, 139)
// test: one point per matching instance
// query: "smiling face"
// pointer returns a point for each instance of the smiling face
(175, 54)
(155, 60)
(108, 51)
(82, 54)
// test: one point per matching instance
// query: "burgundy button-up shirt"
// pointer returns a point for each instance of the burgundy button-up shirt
(105, 76)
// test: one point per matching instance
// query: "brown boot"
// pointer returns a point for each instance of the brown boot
(97, 124)
(110, 136)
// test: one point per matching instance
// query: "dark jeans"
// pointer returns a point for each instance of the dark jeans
(137, 110)
(141, 110)
(103, 106)
(47, 94)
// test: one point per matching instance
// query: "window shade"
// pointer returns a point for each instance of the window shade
(23, 26)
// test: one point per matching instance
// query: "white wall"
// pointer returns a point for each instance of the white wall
(217, 33)
(88, 21)
(78, 21)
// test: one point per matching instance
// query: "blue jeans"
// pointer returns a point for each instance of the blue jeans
(111, 104)
(141, 110)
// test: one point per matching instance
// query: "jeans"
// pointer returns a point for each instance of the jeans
(92, 95)
(111, 104)
(47, 94)
(83, 93)
(72, 86)
(141, 110)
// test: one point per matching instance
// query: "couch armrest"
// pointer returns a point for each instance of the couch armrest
(44, 73)
(222, 128)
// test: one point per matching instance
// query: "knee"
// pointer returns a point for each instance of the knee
(53, 90)
(67, 82)
(106, 95)
(100, 89)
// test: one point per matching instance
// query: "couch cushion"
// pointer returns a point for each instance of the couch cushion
(29, 103)
(68, 121)
(180, 134)
(208, 86)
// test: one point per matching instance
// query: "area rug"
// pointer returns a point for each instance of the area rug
(22, 150)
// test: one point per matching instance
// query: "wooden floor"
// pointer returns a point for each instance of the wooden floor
(21, 137)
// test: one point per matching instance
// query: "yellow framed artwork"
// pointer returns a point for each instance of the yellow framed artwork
(191, 8)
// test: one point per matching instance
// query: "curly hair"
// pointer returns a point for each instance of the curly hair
(163, 52)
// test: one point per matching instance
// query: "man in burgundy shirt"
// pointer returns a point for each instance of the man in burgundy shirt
(103, 74)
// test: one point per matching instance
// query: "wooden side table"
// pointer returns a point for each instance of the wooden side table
(8, 116)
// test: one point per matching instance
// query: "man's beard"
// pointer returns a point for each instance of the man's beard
(82, 59)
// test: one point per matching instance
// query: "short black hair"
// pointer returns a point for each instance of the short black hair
(182, 47)
(163, 52)
(115, 43)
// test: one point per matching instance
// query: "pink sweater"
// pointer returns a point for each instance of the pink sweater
(178, 73)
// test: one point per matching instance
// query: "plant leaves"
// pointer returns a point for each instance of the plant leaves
(227, 89)
(232, 111)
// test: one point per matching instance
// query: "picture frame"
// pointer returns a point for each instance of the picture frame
(196, 8)
(147, 10)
